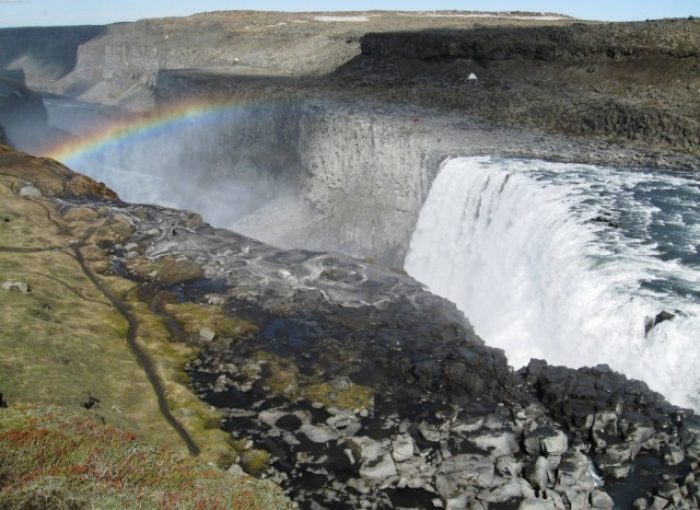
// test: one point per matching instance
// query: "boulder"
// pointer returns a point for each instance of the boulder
(22, 287)
(536, 504)
(29, 192)
(660, 317)
(673, 455)
(457, 473)
(318, 434)
(537, 473)
(511, 489)
(575, 471)
(376, 464)
(403, 448)
(508, 466)
(206, 335)
(601, 500)
(497, 443)
(546, 440)
(416, 473)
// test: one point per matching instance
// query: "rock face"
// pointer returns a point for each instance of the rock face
(575, 42)
(23, 116)
(118, 64)
(565, 78)
(347, 175)
(628, 82)
(362, 144)
(354, 118)
(44, 54)
(22, 112)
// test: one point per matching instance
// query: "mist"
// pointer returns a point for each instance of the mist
(219, 167)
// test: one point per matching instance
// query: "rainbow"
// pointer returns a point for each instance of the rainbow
(163, 119)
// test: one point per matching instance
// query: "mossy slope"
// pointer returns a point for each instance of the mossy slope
(52, 457)
(73, 337)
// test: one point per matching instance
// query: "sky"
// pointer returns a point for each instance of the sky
(76, 12)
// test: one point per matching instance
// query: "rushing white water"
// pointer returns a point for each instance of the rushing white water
(567, 263)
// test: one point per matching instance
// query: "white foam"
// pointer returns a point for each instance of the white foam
(520, 248)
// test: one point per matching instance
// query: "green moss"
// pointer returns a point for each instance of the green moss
(170, 357)
(353, 397)
(194, 317)
(285, 380)
(166, 270)
(255, 461)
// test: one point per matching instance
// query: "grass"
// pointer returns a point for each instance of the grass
(65, 340)
(165, 271)
(170, 357)
(194, 317)
(59, 345)
(355, 397)
(52, 457)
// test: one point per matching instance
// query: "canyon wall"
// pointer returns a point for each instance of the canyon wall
(626, 82)
(348, 177)
(117, 64)
(22, 112)
(44, 54)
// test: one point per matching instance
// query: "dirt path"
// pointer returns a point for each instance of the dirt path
(131, 336)
(138, 352)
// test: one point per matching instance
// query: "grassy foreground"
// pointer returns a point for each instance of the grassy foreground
(53, 457)
(67, 338)
(64, 340)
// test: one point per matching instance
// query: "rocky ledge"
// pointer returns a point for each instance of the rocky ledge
(349, 384)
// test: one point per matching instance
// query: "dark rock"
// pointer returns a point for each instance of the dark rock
(90, 402)
(606, 220)
(663, 316)
(289, 422)
(527, 43)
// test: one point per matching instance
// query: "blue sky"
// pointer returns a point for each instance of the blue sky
(72, 12)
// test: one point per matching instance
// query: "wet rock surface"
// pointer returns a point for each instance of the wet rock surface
(356, 388)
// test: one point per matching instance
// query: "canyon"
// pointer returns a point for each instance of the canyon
(355, 116)
(334, 373)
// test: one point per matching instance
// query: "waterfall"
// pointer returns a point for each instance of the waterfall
(570, 263)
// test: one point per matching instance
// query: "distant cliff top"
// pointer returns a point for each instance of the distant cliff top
(116, 64)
